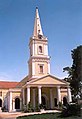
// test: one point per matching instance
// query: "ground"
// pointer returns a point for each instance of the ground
(9, 115)
(50, 114)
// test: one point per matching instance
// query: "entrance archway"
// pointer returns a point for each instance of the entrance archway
(55, 102)
(64, 101)
(17, 103)
(0, 103)
(43, 101)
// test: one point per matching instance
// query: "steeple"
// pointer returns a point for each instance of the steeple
(37, 25)
(39, 61)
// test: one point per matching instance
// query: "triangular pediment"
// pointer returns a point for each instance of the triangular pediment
(48, 80)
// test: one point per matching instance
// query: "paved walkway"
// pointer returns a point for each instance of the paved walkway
(8, 115)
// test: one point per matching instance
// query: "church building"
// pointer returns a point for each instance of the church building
(39, 86)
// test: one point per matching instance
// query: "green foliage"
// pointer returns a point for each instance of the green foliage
(28, 108)
(3, 109)
(75, 71)
(47, 116)
(77, 67)
(41, 116)
(60, 104)
(71, 110)
(41, 106)
(37, 109)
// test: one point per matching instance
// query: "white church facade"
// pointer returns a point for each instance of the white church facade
(39, 87)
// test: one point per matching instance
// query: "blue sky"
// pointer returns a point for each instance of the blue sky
(61, 22)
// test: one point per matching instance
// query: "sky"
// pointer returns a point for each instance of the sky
(61, 22)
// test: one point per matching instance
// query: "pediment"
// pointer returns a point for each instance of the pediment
(48, 80)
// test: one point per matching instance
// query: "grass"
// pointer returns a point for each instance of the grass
(47, 116)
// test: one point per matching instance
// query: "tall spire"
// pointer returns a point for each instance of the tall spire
(37, 25)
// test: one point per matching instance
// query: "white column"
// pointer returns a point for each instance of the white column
(23, 91)
(28, 94)
(51, 101)
(13, 104)
(69, 94)
(34, 98)
(10, 106)
(20, 104)
(39, 94)
(59, 94)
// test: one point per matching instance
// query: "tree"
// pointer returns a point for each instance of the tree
(75, 71)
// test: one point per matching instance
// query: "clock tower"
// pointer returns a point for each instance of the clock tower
(39, 61)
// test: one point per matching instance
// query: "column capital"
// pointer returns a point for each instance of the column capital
(28, 86)
(68, 86)
(58, 87)
(39, 86)
(13, 100)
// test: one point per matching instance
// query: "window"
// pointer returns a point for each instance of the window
(40, 49)
(41, 69)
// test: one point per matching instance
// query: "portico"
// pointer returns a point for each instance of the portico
(45, 93)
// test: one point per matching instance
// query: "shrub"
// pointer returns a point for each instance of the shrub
(71, 110)
(30, 108)
(41, 106)
(60, 104)
(3, 109)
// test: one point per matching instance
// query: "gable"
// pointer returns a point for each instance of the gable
(48, 80)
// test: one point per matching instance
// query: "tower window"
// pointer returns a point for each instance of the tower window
(40, 49)
(41, 68)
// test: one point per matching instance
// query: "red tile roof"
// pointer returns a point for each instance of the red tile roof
(7, 85)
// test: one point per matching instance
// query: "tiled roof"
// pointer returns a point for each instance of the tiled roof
(7, 85)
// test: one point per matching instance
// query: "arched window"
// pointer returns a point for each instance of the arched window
(0, 103)
(17, 103)
(40, 49)
(41, 68)
(64, 101)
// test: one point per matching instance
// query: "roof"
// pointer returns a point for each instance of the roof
(7, 84)
(22, 82)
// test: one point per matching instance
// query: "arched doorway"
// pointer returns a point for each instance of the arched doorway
(55, 102)
(17, 103)
(64, 101)
(0, 103)
(43, 101)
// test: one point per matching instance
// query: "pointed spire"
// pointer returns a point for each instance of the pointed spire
(37, 25)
